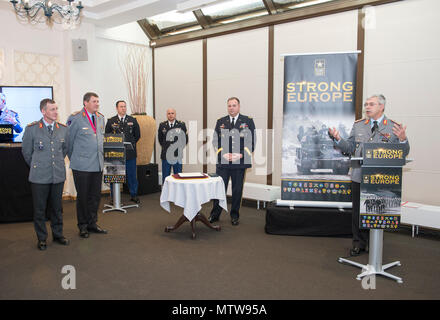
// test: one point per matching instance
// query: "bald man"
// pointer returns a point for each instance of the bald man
(173, 138)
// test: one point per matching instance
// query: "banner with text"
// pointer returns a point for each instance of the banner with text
(319, 92)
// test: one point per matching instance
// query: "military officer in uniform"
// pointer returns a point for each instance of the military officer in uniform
(44, 149)
(234, 140)
(123, 123)
(8, 116)
(173, 137)
(376, 127)
(86, 154)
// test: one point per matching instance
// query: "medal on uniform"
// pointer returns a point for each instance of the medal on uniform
(91, 123)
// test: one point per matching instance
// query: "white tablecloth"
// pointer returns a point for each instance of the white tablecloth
(190, 194)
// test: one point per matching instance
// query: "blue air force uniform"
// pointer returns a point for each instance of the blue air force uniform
(233, 138)
(44, 150)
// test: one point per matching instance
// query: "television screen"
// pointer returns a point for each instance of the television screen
(25, 102)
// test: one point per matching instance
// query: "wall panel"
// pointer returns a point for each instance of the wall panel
(332, 33)
(237, 66)
(179, 85)
(402, 62)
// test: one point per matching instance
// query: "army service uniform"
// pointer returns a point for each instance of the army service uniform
(86, 154)
(239, 138)
(44, 152)
(177, 139)
(360, 133)
(130, 128)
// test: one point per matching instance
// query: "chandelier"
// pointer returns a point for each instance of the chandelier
(36, 11)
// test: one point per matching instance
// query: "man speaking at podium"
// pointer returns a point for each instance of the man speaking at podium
(8, 116)
(377, 128)
(127, 125)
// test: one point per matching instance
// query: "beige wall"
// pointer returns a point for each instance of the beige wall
(237, 66)
(402, 57)
(30, 54)
(402, 62)
(179, 85)
(333, 33)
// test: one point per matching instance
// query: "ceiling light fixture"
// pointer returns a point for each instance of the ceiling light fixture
(37, 11)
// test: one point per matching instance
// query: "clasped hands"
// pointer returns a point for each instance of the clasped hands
(232, 156)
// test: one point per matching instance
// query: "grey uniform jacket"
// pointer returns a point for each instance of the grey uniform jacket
(45, 153)
(360, 133)
(85, 148)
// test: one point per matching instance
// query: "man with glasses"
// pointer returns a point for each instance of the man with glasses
(377, 128)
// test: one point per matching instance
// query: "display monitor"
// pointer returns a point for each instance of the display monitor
(25, 102)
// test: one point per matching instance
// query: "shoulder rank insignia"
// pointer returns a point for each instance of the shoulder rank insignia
(399, 124)
(32, 123)
(61, 124)
(356, 121)
(100, 114)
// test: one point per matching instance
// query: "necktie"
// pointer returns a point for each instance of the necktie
(50, 129)
(233, 122)
(375, 126)
(172, 125)
(93, 120)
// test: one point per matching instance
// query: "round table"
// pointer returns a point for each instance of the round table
(190, 194)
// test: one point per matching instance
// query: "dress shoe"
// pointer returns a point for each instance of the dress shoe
(83, 233)
(42, 245)
(355, 251)
(135, 199)
(97, 229)
(212, 219)
(61, 240)
(234, 222)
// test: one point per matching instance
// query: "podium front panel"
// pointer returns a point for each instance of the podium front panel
(114, 158)
(384, 154)
(381, 194)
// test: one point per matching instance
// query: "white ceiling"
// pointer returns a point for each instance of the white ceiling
(112, 13)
